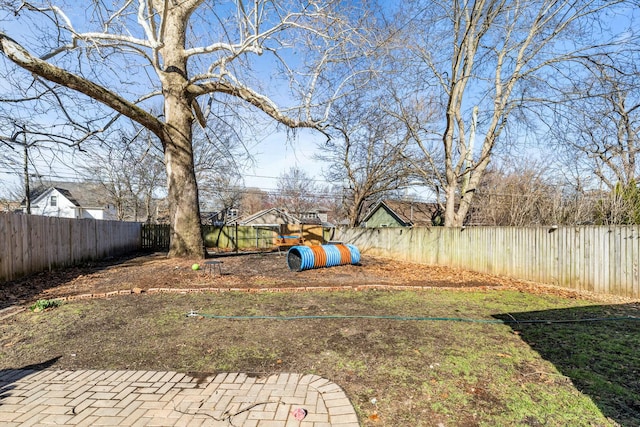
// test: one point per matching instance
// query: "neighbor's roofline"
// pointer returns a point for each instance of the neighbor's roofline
(391, 211)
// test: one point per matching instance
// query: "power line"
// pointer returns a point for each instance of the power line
(252, 189)
(279, 177)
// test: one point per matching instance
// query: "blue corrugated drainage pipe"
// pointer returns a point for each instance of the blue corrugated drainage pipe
(333, 255)
(304, 257)
(355, 253)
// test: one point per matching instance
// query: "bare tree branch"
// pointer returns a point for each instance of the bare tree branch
(24, 59)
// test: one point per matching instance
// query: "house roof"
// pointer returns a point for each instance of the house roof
(410, 213)
(319, 209)
(268, 217)
(310, 221)
(81, 194)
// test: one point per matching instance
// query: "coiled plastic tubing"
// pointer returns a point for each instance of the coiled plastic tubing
(307, 257)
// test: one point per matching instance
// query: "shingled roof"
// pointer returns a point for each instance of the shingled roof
(269, 216)
(408, 213)
(81, 194)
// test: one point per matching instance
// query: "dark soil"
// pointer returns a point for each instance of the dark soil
(144, 272)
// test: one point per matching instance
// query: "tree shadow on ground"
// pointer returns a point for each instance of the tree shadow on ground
(25, 289)
(9, 376)
(596, 347)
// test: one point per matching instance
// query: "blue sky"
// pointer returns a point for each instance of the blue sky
(276, 155)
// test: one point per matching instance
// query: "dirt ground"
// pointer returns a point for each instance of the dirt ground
(155, 272)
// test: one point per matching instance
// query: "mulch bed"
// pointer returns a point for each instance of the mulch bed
(255, 272)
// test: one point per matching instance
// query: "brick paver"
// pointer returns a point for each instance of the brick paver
(150, 398)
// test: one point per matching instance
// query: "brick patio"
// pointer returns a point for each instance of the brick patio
(153, 398)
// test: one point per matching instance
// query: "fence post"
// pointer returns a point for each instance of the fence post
(235, 241)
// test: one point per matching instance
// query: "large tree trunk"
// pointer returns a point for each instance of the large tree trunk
(450, 215)
(451, 187)
(355, 211)
(184, 210)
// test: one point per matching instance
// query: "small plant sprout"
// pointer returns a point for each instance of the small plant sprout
(43, 304)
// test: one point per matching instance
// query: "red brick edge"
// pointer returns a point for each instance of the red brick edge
(269, 290)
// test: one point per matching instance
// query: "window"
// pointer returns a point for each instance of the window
(53, 201)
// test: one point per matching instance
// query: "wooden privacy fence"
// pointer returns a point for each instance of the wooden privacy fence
(155, 236)
(600, 259)
(31, 243)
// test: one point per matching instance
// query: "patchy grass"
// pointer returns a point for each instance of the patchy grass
(396, 372)
(599, 355)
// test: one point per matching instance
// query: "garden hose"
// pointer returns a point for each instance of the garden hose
(193, 313)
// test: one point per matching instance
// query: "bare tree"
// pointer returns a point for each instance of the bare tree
(220, 158)
(367, 152)
(34, 132)
(224, 192)
(129, 168)
(151, 177)
(519, 196)
(534, 195)
(595, 133)
(333, 200)
(600, 129)
(481, 61)
(253, 200)
(189, 53)
(111, 172)
(296, 192)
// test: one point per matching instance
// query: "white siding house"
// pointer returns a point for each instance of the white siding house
(59, 202)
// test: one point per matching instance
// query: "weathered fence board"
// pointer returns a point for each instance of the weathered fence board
(31, 243)
(600, 259)
(155, 236)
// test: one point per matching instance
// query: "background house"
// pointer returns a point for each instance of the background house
(399, 213)
(218, 218)
(272, 216)
(285, 226)
(74, 200)
(7, 205)
(318, 215)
